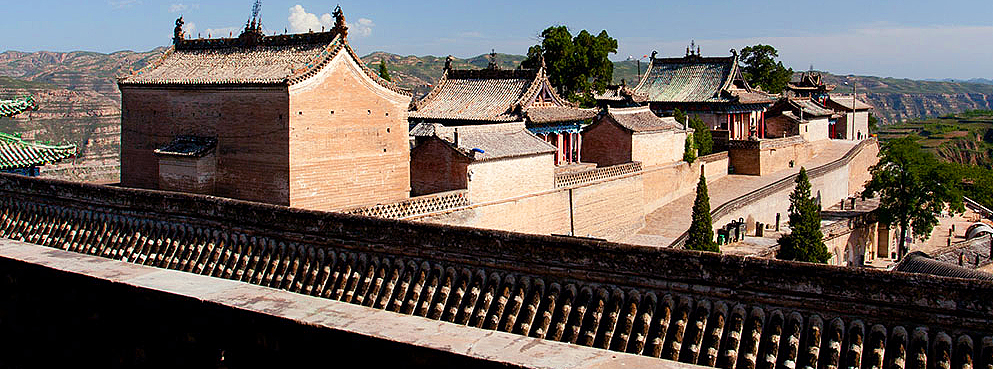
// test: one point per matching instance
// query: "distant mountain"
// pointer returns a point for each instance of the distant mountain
(80, 102)
(974, 80)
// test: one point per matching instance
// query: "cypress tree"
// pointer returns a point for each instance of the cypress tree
(805, 241)
(383, 72)
(689, 149)
(701, 136)
(679, 115)
(701, 233)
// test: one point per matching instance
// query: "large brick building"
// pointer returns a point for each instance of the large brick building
(711, 88)
(294, 120)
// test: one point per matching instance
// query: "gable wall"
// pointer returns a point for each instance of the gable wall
(606, 144)
(250, 125)
(348, 140)
(435, 167)
(658, 148)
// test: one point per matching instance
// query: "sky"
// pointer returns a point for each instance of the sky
(914, 39)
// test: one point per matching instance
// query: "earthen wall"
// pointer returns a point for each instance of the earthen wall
(348, 140)
(250, 124)
(658, 148)
(606, 144)
(436, 167)
(491, 180)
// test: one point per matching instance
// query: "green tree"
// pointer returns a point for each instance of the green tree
(805, 241)
(701, 233)
(383, 72)
(873, 123)
(761, 68)
(679, 116)
(689, 149)
(576, 66)
(913, 188)
(703, 139)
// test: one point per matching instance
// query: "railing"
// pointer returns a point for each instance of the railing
(572, 179)
(762, 192)
(415, 206)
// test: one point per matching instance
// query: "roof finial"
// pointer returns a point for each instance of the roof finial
(654, 52)
(178, 32)
(493, 60)
(448, 63)
(256, 23)
(339, 21)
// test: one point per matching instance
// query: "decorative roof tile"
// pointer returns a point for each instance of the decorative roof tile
(642, 120)
(251, 58)
(495, 95)
(919, 262)
(16, 153)
(620, 93)
(9, 108)
(489, 141)
(688, 79)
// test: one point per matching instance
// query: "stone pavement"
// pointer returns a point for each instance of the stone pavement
(668, 222)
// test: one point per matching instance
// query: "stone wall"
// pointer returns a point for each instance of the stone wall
(658, 148)
(666, 183)
(348, 143)
(491, 180)
(695, 307)
(769, 155)
(252, 148)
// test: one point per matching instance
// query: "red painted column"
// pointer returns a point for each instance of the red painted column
(579, 147)
(762, 125)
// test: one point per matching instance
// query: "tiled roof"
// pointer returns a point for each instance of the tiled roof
(558, 114)
(811, 108)
(16, 153)
(9, 108)
(284, 59)
(919, 262)
(495, 95)
(482, 144)
(688, 79)
(752, 97)
(188, 146)
(641, 119)
(810, 81)
(422, 130)
(845, 102)
(620, 93)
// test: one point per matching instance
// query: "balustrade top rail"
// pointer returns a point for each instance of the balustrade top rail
(593, 175)
(415, 206)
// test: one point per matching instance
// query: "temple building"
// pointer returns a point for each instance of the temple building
(295, 120)
(490, 161)
(711, 88)
(795, 116)
(495, 96)
(810, 86)
(625, 135)
(22, 157)
(853, 123)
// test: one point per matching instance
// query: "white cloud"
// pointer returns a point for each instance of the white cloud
(361, 28)
(302, 21)
(119, 4)
(177, 8)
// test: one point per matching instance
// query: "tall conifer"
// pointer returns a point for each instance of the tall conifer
(805, 241)
(384, 73)
(701, 233)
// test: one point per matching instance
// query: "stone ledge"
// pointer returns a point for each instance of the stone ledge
(452, 340)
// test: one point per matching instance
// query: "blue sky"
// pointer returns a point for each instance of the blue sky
(909, 39)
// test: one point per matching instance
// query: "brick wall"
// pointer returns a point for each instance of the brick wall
(658, 148)
(188, 174)
(606, 144)
(611, 209)
(816, 130)
(436, 167)
(492, 180)
(348, 140)
(250, 125)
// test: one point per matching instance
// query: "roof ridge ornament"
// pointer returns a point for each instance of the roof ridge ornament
(178, 33)
(340, 26)
(493, 60)
(448, 62)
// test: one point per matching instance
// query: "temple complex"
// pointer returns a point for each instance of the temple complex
(711, 88)
(295, 120)
(810, 86)
(494, 95)
(21, 157)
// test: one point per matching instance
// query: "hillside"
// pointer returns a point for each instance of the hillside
(965, 138)
(80, 102)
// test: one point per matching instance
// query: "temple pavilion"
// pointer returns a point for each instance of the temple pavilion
(810, 86)
(497, 96)
(295, 120)
(23, 157)
(711, 88)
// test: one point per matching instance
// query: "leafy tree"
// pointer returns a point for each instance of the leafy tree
(701, 233)
(761, 69)
(873, 123)
(913, 188)
(702, 137)
(689, 149)
(805, 241)
(977, 183)
(576, 66)
(383, 72)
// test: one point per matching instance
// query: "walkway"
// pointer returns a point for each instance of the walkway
(668, 222)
